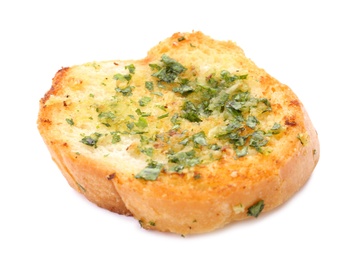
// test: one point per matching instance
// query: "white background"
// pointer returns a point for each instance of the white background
(304, 44)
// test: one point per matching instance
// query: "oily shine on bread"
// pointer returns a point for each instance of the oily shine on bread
(190, 138)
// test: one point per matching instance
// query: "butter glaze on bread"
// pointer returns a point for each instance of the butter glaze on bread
(141, 149)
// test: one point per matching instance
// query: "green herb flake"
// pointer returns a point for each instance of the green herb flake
(229, 78)
(190, 112)
(252, 122)
(175, 119)
(215, 147)
(149, 85)
(276, 129)
(140, 113)
(154, 66)
(169, 71)
(115, 137)
(151, 172)
(163, 116)
(144, 101)
(183, 89)
(69, 121)
(91, 140)
(144, 139)
(149, 151)
(258, 140)
(130, 125)
(106, 118)
(185, 141)
(157, 93)
(200, 139)
(127, 91)
(131, 68)
(218, 102)
(142, 123)
(107, 115)
(241, 152)
(266, 102)
(163, 108)
(184, 159)
(119, 76)
(256, 209)
(191, 116)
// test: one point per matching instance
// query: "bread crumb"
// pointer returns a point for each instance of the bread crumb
(234, 174)
(239, 208)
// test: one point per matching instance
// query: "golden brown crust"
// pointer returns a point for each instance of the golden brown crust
(181, 203)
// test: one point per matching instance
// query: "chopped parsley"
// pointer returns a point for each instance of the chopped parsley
(127, 91)
(151, 172)
(107, 118)
(149, 85)
(130, 125)
(174, 119)
(125, 77)
(131, 68)
(190, 112)
(144, 101)
(252, 122)
(258, 140)
(229, 78)
(183, 160)
(276, 128)
(169, 70)
(256, 209)
(240, 152)
(69, 121)
(184, 87)
(141, 123)
(115, 137)
(200, 138)
(91, 140)
(119, 76)
(163, 116)
(149, 151)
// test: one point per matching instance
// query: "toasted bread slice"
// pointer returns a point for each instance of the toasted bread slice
(188, 139)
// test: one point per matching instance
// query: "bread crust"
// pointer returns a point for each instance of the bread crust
(178, 202)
